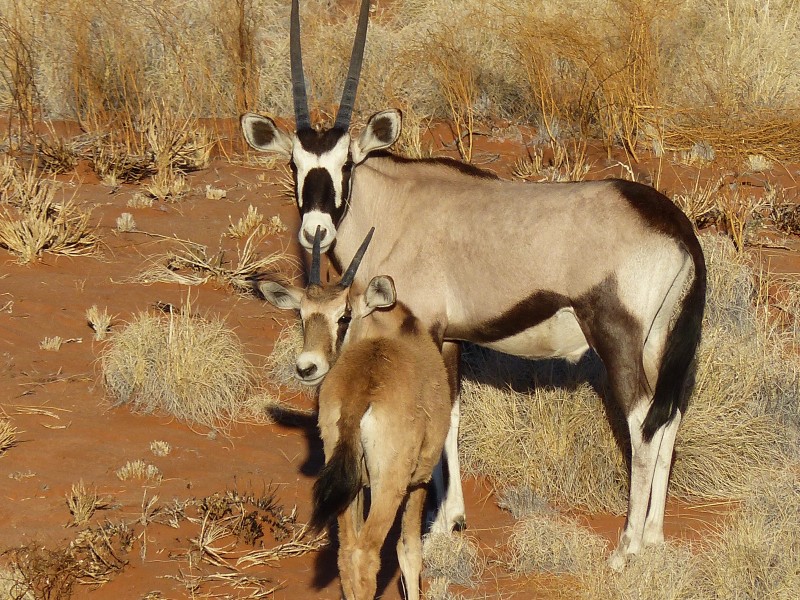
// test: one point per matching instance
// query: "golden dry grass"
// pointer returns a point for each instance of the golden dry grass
(192, 264)
(452, 558)
(551, 543)
(635, 73)
(32, 222)
(192, 368)
(8, 435)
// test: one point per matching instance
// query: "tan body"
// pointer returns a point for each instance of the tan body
(388, 393)
(384, 414)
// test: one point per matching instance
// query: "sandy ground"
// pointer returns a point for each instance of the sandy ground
(69, 430)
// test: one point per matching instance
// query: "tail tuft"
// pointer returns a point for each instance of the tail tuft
(676, 374)
(337, 485)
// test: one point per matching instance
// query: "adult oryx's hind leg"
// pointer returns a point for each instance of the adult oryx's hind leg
(452, 513)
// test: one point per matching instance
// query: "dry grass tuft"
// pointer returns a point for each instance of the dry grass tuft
(754, 554)
(247, 224)
(192, 265)
(549, 543)
(93, 558)
(554, 163)
(192, 368)
(140, 471)
(99, 320)
(83, 503)
(757, 552)
(126, 223)
(665, 572)
(51, 344)
(213, 193)
(160, 448)
(452, 558)
(700, 204)
(8, 435)
(32, 222)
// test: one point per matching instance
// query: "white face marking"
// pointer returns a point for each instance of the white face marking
(332, 161)
(308, 229)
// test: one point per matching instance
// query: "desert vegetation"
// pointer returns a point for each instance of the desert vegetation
(698, 98)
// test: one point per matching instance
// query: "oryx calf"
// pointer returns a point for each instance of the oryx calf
(384, 413)
(532, 269)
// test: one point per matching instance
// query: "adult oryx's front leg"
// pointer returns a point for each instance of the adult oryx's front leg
(451, 513)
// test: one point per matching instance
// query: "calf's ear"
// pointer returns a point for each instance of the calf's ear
(279, 296)
(380, 293)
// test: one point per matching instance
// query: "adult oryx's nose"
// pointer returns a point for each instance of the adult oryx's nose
(310, 236)
(306, 372)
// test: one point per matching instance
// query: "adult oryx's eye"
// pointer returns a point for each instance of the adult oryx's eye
(345, 318)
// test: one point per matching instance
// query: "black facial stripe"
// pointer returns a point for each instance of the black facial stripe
(318, 192)
(320, 142)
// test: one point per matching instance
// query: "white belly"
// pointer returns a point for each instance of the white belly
(560, 336)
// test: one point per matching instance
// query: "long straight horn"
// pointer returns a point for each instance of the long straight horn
(314, 277)
(354, 72)
(349, 275)
(302, 120)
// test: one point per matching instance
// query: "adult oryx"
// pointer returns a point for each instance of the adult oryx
(532, 269)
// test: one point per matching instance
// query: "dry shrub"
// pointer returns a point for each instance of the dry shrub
(531, 424)
(190, 367)
(453, 558)
(32, 222)
(559, 163)
(83, 503)
(140, 471)
(192, 265)
(754, 554)
(666, 572)
(757, 552)
(8, 435)
(553, 544)
(99, 320)
(94, 557)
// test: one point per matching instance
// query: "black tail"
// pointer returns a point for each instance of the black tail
(676, 374)
(338, 483)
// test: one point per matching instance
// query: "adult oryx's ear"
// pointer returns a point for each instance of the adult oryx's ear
(262, 134)
(280, 296)
(380, 293)
(381, 131)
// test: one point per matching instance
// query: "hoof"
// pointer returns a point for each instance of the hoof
(617, 561)
(459, 523)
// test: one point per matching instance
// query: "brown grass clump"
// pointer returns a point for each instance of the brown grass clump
(192, 265)
(94, 557)
(190, 367)
(140, 471)
(757, 552)
(553, 543)
(32, 222)
(8, 435)
(667, 572)
(83, 503)
(452, 558)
